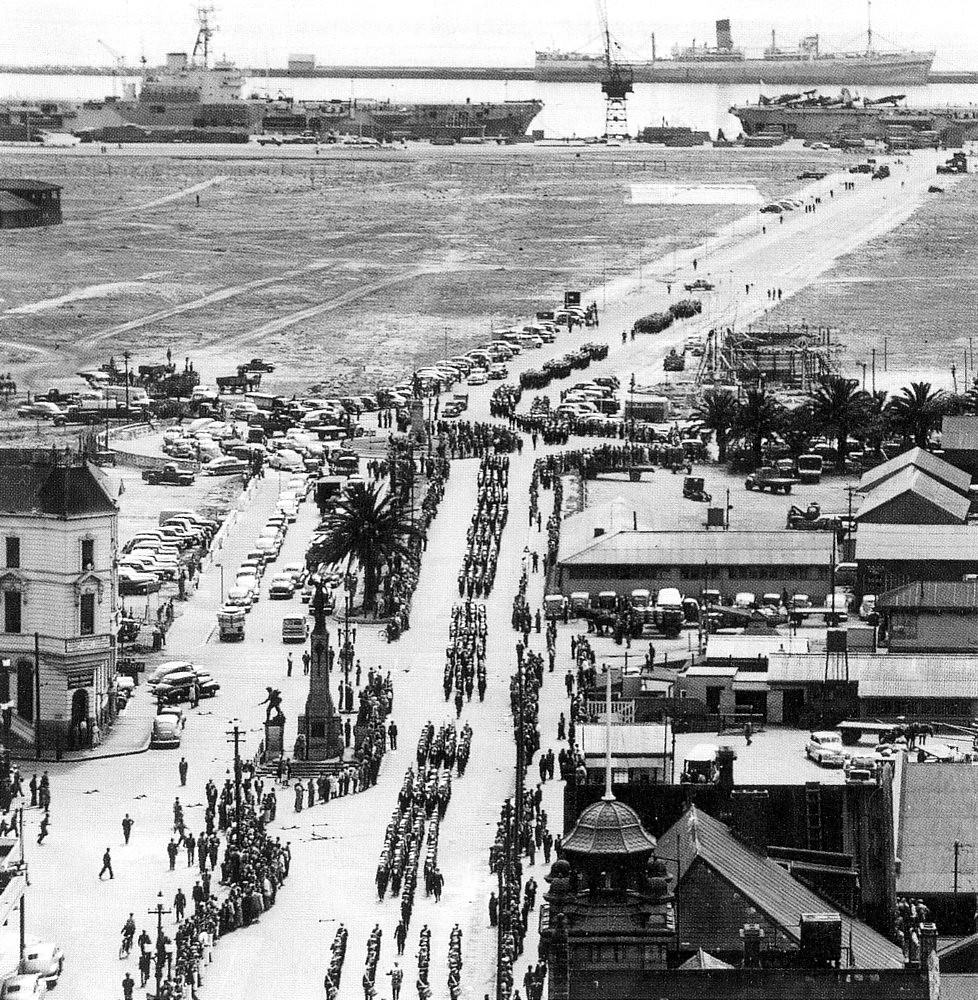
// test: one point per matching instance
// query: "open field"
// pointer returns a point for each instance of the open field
(345, 268)
(916, 287)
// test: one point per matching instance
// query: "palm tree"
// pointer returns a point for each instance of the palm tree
(840, 406)
(758, 417)
(367, 528)
(717, 412)
(877, 419)
(917, 411)
(798, 429)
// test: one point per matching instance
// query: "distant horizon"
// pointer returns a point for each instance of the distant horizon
(466, 33)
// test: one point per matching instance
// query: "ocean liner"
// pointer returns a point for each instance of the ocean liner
(727, 63)
(191, 99)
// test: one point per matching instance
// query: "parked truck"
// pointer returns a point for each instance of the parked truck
(768, 479)
(169, 475)
(231, 624)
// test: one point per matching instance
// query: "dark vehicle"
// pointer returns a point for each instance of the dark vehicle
(768, 479)
(811, 519)
(169, 475)
(700, 285)
(773, 208)
(258, 365)
(881, 172)
(812, 175)
(861, 168)
(693, 489)
(674, 362)
(810, 469)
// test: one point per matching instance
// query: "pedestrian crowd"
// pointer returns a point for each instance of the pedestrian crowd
(337, 954)
(462, 439)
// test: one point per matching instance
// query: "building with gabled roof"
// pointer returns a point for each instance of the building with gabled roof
(922, 460)
(723, 884)
(890, 555)
(959, 442)
(912, 496)
(937, 616)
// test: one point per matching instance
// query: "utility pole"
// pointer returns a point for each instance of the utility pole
(126, 355)
(159, 912)
(234, 736)
(37, 695)
(957, 854)
(874, 370)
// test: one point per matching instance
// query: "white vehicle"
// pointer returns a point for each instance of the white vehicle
(745, 599)
(226, 466)
(26, 987)
(826, 749)
(245, 581)
(478, 377)
(165, 669)
(44, 959)
(867, 606)
(240, 597)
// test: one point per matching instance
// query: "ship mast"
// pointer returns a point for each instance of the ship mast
(869, 26)
(204, 33)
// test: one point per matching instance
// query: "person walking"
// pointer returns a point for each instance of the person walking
(45, 822)
(33, 788)
(172, 850)
(397, 977)
(106, 865)
(392, 734)
(128, 986)
(127, 825)
(288, 667)
(493, 910)
(179, 904)
(183, 767)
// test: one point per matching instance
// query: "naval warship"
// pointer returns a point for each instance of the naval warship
(191, 99)
(811, 116)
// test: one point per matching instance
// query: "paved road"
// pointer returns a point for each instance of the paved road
(335, 847)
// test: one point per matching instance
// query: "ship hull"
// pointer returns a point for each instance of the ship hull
(903, 69)
(855, 123)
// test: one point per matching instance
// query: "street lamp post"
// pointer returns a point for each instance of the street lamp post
(220, 566)
(159, 912)
(234, 736)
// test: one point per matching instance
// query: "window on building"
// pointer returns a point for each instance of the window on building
(11, 611)
(13, 553)
(87, 614)
(87, 553)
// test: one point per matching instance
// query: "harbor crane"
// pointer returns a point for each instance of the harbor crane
(616, 83)
(119, 63)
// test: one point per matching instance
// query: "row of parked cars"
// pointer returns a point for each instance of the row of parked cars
(171, 684)
(154, 556)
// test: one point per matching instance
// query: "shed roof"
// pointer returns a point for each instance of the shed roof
(749, 647)
(959, 433)
(26, 184)
(11, 203)
(926, 543)
(933, 595)
(768, 886)
(885, 675)
(698, 548)
(921, 484)
(938, 805)
(60, 491)
(577, 531)
(921, 459)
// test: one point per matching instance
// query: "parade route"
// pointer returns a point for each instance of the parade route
(335, 846)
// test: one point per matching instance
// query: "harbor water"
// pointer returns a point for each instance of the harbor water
(570, 109)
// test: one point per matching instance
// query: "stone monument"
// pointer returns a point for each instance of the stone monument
(320, 733)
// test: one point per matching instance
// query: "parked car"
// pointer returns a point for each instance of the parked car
(826, 749)
(170, 667)
(23, 987)
(282, 587)
(45, 959)
(226, 466)
(40, 409)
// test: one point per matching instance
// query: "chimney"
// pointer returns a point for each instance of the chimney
(750, 817)
(725, 762)
(752, 935)
(821, 940)
(928, 944)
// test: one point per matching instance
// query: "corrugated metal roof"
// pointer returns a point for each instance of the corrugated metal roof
(697, 548)
(577, 531)
(885, 675)
(769, 887)
(936, 467)
(959, 433)
(26, 184)
(933, 595)
(917, 482)
(938, 805)
(927, 542)
(11, 203)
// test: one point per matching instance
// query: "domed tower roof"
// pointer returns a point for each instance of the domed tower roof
(609, 827)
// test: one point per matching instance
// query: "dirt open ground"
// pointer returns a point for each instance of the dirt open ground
(914, 290)
(348, 268)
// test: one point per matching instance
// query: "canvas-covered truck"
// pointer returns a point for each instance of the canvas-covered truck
(231, 624)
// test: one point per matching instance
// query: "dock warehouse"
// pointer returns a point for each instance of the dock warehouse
(25, 203)
(691, 561)
(890, 555)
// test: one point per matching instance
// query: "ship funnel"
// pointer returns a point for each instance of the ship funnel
(724, 38)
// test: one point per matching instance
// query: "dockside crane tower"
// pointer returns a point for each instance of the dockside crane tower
(616, 84)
